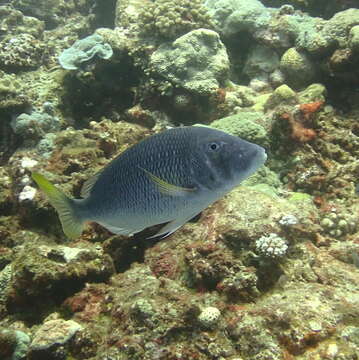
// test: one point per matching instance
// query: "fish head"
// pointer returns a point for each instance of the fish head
(228, 159)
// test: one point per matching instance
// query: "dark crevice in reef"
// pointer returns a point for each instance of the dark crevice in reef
(104, 12)
(9, 142)
(238, 47)
(107, 89)
(44, 221)
(32, 310)
(268, 276)
(125, 251)
(340, 94)
(31, 305)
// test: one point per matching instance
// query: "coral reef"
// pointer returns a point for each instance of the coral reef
(354, 38)
(322, 8)
(338, 225)
(234, 16)
(46, 265)
(13, 22)
(271, 270)
(20, 52)
(297, 67)
(83, 51)
(34, 126)
(247, 125)
(196, 61)
(5, 279)
(51, 336)
(10, 97)
(314, 39)
(14, 344)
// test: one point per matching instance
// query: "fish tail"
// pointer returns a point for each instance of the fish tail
(72, 224)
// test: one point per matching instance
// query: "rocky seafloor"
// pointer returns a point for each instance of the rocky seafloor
(269, 272)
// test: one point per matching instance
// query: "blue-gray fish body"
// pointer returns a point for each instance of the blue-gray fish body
(168, 177)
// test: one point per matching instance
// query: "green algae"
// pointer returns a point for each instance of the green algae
(245, 125)
(300, 198)
(266, 189)
(314, 92)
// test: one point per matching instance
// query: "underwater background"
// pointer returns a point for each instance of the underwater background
(269, 272)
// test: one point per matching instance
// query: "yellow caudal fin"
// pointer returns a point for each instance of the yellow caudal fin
(71, 223)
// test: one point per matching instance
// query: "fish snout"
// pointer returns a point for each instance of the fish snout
(255, 154)
(262, 154)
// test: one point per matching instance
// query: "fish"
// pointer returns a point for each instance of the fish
(167, 178)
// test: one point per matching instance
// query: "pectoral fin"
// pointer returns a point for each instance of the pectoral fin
(119, 230)
(166, 188)
(172, 226)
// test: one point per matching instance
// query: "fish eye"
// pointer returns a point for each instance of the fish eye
(213, 146)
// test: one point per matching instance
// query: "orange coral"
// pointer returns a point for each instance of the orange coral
(302, 134)
(310, 108)
(221, 95)
(299, 132)
(297, 120)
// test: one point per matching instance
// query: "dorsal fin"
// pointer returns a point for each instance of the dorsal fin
(88, 184)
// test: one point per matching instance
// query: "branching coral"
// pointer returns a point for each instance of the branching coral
(165, 19)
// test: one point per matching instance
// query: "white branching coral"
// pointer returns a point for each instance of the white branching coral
(288, 220)
(271, 245)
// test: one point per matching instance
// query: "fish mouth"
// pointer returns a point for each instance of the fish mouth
(255, 157)
(259, 155)
(263, 155)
